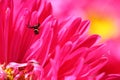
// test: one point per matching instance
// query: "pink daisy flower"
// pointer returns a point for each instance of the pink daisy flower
(34, 45)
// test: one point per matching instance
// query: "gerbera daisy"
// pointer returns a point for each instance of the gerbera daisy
(34, 45)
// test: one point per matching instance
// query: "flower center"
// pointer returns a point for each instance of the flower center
(9, 73)
(19, 71)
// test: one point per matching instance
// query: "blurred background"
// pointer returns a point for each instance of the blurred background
(104, 16)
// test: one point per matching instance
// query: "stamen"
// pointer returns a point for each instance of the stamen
(9, 73)
(16, 71)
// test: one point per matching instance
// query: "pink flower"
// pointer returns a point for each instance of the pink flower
(34, 45)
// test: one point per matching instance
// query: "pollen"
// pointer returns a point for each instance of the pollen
(9, 73)
(18, 71)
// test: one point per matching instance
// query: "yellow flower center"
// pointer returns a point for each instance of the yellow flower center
(19, 71)
(9, 72)
(104, 26)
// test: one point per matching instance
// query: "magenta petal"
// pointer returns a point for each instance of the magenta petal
(90, 41)
(96, 66)
(113, 77)
(84, 27)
